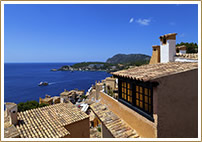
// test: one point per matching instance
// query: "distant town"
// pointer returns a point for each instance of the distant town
(117, 62)
(146, 97)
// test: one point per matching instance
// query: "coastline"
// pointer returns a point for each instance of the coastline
(21, 80)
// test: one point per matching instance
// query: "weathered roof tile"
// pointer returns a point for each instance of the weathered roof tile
(49, 121)
(153, 71)
(117, 127)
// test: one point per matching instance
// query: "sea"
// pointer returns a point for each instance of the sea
(21, 80)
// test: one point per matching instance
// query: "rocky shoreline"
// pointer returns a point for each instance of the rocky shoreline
(86, 68)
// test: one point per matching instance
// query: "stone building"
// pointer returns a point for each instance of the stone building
(63, 120)
(111, 86)
(49, 100)
(159, 94)
(72, 95)
(10, 121)
(159, 100)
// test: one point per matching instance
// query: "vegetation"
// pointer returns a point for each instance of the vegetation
(191, 47)
(110, 92)
(83, 96)
(99, 129)
(117, 62)
(130, 58)
(84, 64)
(29, 105)
(137, 63)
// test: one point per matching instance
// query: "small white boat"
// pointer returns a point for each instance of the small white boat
(43, 83)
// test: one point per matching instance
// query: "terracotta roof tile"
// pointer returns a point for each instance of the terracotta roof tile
(70, 93)
(153, 71)
(181, 47)
(117, 127)
(49, 121)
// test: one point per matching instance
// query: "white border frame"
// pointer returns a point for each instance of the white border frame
(101, 2)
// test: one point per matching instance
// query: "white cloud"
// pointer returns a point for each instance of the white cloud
(144, 22)
(131, 20)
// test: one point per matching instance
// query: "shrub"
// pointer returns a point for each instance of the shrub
(99, 129)
(29, 105)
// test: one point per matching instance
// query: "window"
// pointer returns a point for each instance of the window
(143, 99)
(137, 94)
(126, 92)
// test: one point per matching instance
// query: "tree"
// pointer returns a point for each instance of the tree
(29, 105)
(43, 105)
(191, 47)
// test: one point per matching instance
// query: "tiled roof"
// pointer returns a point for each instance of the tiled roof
(70, 93)
(170, 35)
(193, 56)
(181, 47)
(117, 127)
(49, 121)
(47, 99)
(154, 71)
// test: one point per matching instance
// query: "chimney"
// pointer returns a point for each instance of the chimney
(155, 55)
(98, 88)
(167, 47)
(40, 100)
(12, 109)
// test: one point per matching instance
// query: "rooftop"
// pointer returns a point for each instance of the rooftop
(56, 97)
(193, 56)
(70, 93)
(181, 47)
(117, 127)
(169, 35)
(10, 105)
(110, 79)
(153, 71)
(156, 46)
(49, 121)
(47, 99)
(9, 130)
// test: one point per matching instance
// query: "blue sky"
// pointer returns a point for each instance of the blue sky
(75, 33)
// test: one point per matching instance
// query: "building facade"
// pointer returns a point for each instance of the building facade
(159, 100)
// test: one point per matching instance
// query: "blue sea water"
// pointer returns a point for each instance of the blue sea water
(21, 80)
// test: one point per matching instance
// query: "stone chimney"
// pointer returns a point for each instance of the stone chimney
(98, 88)
(167, 47)
(11, 112)
(155, 55)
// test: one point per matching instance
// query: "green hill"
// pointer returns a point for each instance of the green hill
(128, 58)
